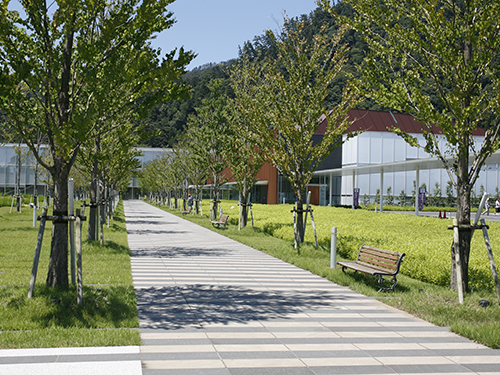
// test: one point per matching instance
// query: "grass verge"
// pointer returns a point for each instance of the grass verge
(436, 304)
(53, 318)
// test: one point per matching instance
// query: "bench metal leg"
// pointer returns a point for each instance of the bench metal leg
(344, 268)
(381, 281)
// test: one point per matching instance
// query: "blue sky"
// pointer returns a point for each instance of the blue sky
(215, 28)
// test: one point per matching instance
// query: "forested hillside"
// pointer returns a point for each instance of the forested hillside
(167, 120)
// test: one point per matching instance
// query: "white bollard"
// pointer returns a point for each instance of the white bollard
(333, 248)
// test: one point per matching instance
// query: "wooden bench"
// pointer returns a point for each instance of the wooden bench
(221, 223)
(376, 262)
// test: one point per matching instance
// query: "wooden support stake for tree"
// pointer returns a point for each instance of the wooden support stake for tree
(71, 212)
(458, 267)
(251, 211)
(12, 204)
(38, 249)
(490, 256)
(79, 256)
(251, 215)
(239, 213)
(101, 221)
(294, 228)
(308, 200)
(314, 227)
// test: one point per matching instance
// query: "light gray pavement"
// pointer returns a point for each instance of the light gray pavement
(209, 305)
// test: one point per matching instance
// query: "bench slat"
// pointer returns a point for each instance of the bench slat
(381, 264)
(393, 255)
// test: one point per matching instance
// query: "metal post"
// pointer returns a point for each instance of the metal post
(381, 190)
(416, 189)
(333, 248)
(353, 187)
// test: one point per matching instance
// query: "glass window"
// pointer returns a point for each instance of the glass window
(10, 178)
(421, 153)
(491, 178)
(387, 147)
(11, 156)
(374, 183)
(364, 148)
(411, 152)
(399, 149)
(399, 183)
(349, 152)
(362, 184)
(410, 178)
(30, 176)
(3, 155)
(375, 148)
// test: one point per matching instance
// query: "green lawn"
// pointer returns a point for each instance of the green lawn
(417, 236)
(53, 318)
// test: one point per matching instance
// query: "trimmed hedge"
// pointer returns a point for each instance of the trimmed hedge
(425, 240)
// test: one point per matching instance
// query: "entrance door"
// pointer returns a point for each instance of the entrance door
(314, 194)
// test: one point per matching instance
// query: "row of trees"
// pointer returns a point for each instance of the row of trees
(78, 71)
(277, 108)
(74, 72)
(436, 60)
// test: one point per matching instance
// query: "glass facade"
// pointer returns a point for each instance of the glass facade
(9, 170)
(374, 148)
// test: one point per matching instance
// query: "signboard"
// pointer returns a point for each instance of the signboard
(355, 197)
(421, 198)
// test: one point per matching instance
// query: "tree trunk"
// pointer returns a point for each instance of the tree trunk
(196, 200)
(244, 210)
(463, 218)
(300, 220)
(244, 203)
(215, 200)
(58, 262)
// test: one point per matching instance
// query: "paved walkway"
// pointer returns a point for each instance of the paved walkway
(209, 305)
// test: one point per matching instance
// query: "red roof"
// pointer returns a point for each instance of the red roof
(378, 121)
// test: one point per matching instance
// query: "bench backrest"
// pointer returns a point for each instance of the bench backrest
(379, 258)
(223, 218)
